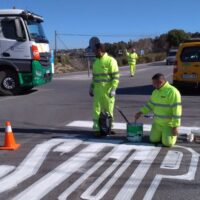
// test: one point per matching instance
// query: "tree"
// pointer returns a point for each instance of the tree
(160, 44)
(195, 35)
(175, 37)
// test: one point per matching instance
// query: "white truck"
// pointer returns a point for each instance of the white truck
(24, 52)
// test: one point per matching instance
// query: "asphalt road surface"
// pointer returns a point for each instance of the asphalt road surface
(59, 158)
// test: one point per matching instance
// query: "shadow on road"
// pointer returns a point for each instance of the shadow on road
(85, 135)
(24, 92)
(139, 90)
(190, 91)
(81, 134)
(147, 90)
(48, 131)
(75, 133)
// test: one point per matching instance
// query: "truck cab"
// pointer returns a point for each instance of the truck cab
(24, 52)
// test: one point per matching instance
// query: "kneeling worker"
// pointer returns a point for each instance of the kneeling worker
(104, 84)
(165, 103)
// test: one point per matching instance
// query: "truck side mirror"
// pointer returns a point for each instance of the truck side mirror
(19, 30)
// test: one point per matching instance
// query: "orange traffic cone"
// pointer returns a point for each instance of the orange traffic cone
(9, 140)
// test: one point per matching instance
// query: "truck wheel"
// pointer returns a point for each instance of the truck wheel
(9, 83)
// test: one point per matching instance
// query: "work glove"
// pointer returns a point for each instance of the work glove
(112, 92)
(91, 93)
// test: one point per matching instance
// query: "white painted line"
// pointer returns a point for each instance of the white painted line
(88, 124)
(190, 175)
(78, 182)
(81, 124)
(122, 126)
(67, 146)
(132, 184)
(119, 154)
(5, 169)
(29, 166)
(51, 180)
(172, 160)
(145, 154)
(106, 187)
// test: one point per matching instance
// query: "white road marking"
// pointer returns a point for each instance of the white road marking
(172, 160)
(122, 126)
(5, 169)
(65, 147)
(29, 166)
(145, 154)
(131, 185)
(51, 180)
(78, 182)
(190, 175)
(119, 154)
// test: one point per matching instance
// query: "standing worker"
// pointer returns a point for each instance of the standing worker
(165, 103)
(132, 59)
(104, 84)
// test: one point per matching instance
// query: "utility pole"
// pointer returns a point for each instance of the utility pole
(55, 43)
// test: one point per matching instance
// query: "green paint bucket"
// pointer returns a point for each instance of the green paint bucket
(134, 132)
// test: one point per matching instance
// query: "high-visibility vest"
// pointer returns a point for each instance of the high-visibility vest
(132, 57)
(165, 103)
(105, 71)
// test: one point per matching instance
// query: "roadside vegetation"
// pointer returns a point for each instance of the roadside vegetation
(148, 49)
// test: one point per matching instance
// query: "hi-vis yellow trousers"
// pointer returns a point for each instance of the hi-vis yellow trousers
(162, 134)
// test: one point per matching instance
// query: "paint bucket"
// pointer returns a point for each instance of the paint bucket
(134, 132)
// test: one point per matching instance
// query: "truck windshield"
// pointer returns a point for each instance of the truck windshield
(36, 31)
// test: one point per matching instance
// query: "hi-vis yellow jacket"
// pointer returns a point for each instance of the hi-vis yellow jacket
(165, 103)
(105, 72)
(132, 57)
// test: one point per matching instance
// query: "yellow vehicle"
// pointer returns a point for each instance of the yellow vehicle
(187, 65)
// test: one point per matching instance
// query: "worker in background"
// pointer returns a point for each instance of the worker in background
(165, 103)
(104, 84)
(132, 59)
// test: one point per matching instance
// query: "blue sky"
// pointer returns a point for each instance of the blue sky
(124, 20)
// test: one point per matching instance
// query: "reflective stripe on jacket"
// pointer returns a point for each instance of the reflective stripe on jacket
(165, 103)
(105, 71)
